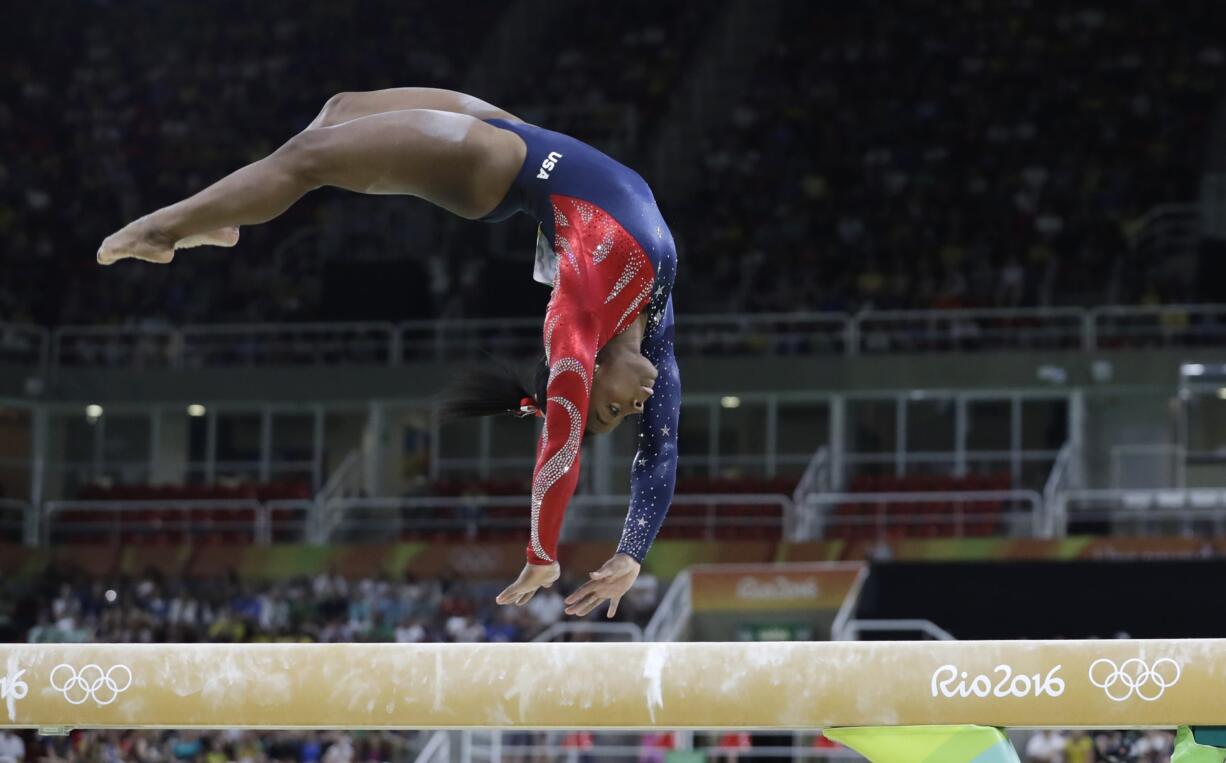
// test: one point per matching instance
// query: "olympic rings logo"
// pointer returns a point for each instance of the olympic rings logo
(91, 682)
(1135, 677)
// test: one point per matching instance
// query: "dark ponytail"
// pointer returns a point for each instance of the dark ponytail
(493, 388)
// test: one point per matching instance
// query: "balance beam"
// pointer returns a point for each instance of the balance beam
(784, 685)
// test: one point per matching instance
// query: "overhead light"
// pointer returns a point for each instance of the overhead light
(195, 410)
(93, 412)
(1193, 369)
(730, 401)
(1221, 393)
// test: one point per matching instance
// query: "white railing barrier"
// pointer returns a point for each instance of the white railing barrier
(296, 344)
(360, 516)
(853, 628)
(1024, 522)
(847, 610)
(814, 479)
(188, 518)
(117, 346)
(224, 345)
(1168, 462)
(1059, 479)
(18, 521)
(1189, 512)
(345, 482)
(468, 339)
(958, 330)
(673, 612)
(763, 334)
(437, 748)
(617, 631)
(809, 333)
(22, 344)
(1159, 325)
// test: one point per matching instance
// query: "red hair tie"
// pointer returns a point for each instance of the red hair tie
(528, 407)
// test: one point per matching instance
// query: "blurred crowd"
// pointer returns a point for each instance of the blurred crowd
(906, 155)
(235, 746)
(887, 154)
(231, 746)
(325, 608)
(1151, 746)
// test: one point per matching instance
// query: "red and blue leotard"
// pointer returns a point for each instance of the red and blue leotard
(615, 261)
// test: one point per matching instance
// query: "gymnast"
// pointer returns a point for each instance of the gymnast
(602, 245)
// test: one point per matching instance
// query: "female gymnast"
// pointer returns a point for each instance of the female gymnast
(603, 245)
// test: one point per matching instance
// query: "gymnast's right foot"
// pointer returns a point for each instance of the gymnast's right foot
(141, 241)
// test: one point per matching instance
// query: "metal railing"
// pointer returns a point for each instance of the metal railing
(225, 345)
(672, 614)
(1162, 465)
(956, 513)
(346, 482)
(1188, 512)
(17, 522)
(1058, 480)
(853, 629)
(76, 474)
(1158, 326)
(437, 748)
(610, 631)
(704, 515)
(22, 344)
(808, 333)
(256, 522)
(814, 480)
(971, 330)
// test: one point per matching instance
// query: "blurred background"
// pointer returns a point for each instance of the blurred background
(952, 323)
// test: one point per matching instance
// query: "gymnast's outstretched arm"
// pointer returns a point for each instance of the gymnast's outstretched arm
(653, 476)
(454, 161)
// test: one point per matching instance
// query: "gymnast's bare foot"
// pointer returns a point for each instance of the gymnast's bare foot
(221, 237)
(140, 240)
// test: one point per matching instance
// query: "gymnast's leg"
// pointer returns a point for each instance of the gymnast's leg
(344, 107)
(454, 161)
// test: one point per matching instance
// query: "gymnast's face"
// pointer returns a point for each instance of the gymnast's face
(620, 388)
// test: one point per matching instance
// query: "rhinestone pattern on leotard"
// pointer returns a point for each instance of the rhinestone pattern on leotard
(589, 306)
(553, 470)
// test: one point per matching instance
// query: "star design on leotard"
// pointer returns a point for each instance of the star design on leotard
(664, 430)
(642, 462)
(659, 291)
(642, 522)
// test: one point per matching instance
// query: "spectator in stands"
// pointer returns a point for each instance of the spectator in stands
(906, 189)
(731, 745)
(547, 607)
(1079, 748)
(340, 750)
(1152, 747)
(1045, 746)
(12, 748)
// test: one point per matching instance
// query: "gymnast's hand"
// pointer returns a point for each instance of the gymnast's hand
(610, 582)
(533, 577)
